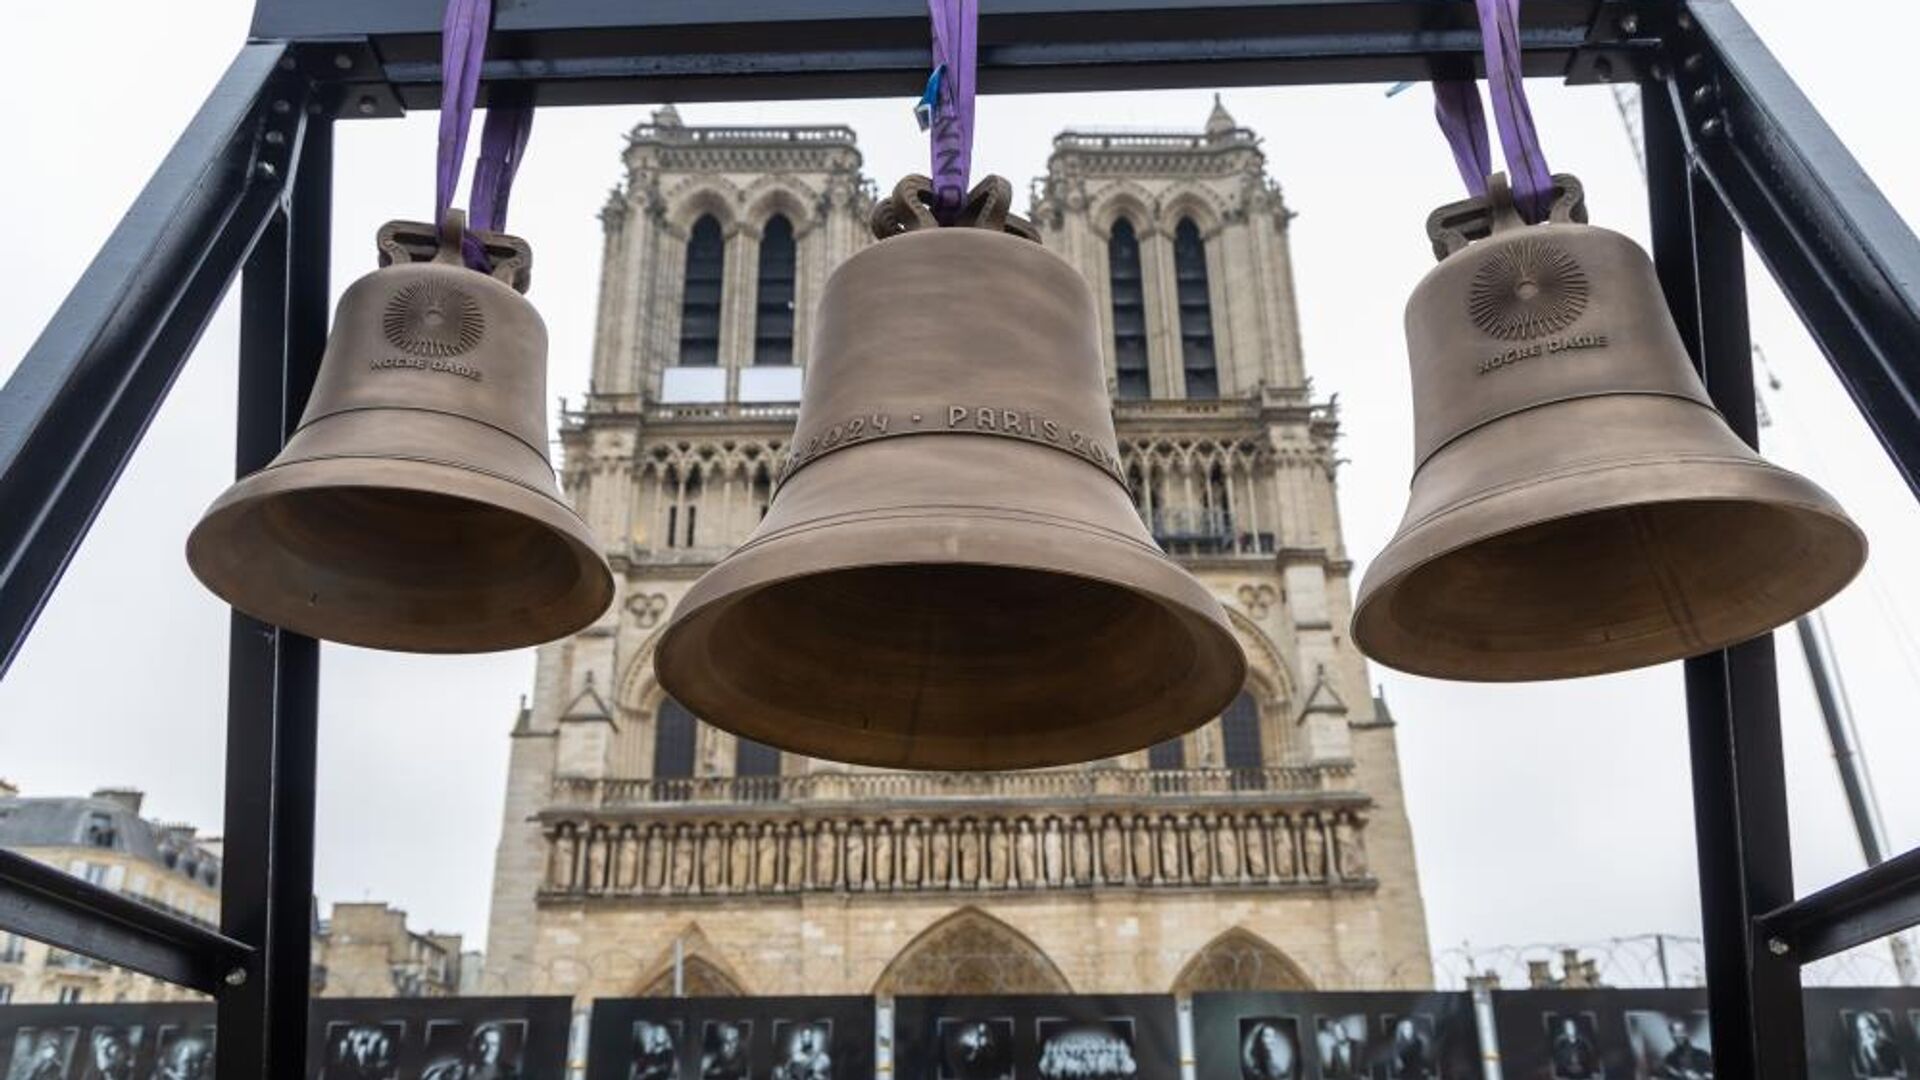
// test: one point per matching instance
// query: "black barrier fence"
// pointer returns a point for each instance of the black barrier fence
(1868, 1033)
(782, 1038)
(1334, 1036)
(1088, 1037)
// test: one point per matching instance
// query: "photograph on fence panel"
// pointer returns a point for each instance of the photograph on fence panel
(1863, 1033)
(151, 1041)
(1604, 1034)
(731, 1038)
(1035, 1037)
(1334, 1036)
(438, 1038)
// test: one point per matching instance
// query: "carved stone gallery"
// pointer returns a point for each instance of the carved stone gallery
(1320, 847)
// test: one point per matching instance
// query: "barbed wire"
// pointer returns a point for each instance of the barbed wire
(1640, 961)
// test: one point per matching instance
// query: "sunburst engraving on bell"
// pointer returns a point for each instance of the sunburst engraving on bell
(1527, 290)
(1583, 515)
(428, 318)
(409, 510)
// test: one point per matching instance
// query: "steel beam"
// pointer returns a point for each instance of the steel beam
(75, 408)
(608, 51)
(1733, 704)
(273, 674)
(55, 907)
(1878, 901)
(1843, 256)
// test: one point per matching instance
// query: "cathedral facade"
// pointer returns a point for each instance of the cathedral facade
(1270, 849)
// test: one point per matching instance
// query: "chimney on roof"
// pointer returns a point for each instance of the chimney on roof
(178, 835)
(129, 799)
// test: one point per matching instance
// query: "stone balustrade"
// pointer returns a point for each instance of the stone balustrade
(867, 787)
(934, 849)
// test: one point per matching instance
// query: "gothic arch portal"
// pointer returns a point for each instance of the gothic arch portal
(971, 952)
(703, 971)
(698, 978)
(1239, 960)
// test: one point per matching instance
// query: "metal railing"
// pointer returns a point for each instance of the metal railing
(1051, 784)
(63, 960)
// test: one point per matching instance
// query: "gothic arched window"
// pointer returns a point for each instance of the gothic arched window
(700, 305)
(1171, 754)
(673, 735)
(1129, 312)
(1219, 504)
(1196, 313)
(682, 497)
(690, 501)
(762, 489)
(773, 319)
(670, 491)
(1240, 741)
(752, 758)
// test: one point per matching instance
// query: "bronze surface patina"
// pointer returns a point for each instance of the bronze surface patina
(952, 574)
(1578, 506)
(413, 508)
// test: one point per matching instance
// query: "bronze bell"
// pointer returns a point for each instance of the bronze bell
(414, 508)
(952, 574)
(1578, 505)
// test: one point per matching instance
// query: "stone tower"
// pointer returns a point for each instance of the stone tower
(1269, 849)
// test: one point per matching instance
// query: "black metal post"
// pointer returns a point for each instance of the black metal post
(53, 906)
(1844, 257)
(1733, 705)
(273, 674)
(74, 410)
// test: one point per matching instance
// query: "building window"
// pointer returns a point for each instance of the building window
(1196, 314)
(1129, 312)
(773, 317)
(100, 830)
(6, 993)
(70, 995)
(12, 949)
(683, 500)
(1240, 742)
(673, 741)
(762, 489)
(1171, 754)
(752, 758)
(700, 308)
(690, 501)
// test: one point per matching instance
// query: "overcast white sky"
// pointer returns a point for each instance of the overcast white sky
(1542, 813)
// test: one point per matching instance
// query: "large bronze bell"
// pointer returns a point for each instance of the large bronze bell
(1578, 506)
(414, 508)
(952, 574)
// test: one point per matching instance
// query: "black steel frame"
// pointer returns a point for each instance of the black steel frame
(1734, 150)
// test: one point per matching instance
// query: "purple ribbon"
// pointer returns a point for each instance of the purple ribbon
(956, 30)
(503, 142)
(1457, 106)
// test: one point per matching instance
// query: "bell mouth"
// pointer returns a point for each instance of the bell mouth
(951, 666)
(353, 551)
(1613, 588)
